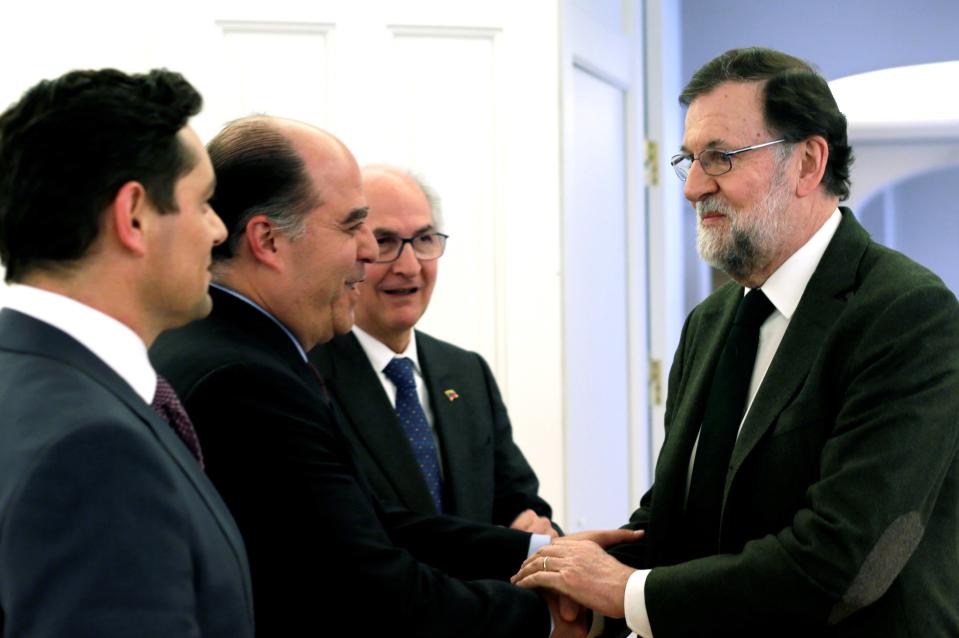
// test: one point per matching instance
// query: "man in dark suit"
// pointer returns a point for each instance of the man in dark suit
(108, 525)
(474, 469)
(824, 499)
(325, 557)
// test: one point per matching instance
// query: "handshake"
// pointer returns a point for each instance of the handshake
(575, 574)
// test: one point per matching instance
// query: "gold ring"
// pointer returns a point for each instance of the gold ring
(545, 568)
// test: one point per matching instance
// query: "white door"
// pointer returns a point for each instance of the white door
(604, 271)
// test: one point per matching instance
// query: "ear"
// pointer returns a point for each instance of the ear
(128, 212)
(261, 238)
(814, 157)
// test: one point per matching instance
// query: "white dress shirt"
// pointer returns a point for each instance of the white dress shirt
(380, 355)
(784, 289)
(110, 340)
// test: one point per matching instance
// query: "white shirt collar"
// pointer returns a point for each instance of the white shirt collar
(785, 287)
(110, 340)
(380, 354)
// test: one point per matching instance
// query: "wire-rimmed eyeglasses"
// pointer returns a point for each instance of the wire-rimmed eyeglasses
(713, 161)
(426, 246)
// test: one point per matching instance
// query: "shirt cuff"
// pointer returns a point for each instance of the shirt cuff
(634, 603)
(536, 541)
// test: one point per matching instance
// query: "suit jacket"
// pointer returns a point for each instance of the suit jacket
(486, 477)
(325, 557)
(108, 526)
(841, 504)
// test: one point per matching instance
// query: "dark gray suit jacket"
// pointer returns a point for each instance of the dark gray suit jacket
(486, 477)
(108, 526)
(841, 506)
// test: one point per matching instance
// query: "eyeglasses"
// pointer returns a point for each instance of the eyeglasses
(426, 246)
(713, 161)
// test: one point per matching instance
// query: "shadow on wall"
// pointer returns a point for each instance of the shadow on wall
(919, 216)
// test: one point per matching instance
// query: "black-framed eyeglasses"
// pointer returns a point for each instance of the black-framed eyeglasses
(426, 246)
(713, 161)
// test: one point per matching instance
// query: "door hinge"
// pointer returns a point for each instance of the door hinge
(651, 163)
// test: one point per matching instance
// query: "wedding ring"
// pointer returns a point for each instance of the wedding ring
(545, 568)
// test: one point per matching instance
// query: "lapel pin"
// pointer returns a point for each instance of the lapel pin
(451, 394)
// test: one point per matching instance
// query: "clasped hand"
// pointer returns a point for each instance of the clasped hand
(577, 567)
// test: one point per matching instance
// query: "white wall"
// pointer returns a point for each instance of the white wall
(467, 93)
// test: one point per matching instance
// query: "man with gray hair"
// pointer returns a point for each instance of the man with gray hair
(426, 418)
(809, 483)
(325, 557)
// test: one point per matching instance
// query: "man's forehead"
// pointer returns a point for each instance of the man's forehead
(729, 115)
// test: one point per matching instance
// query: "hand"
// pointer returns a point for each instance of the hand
(581, 570)
(606, 538)
(530, 521)
(570, 620)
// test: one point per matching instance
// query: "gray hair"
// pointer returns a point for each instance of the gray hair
(432, 198)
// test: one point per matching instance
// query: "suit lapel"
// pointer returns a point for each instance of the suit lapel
(371, 417)
(452, 425)
(707, 334)
(820, 306)
(39, 338)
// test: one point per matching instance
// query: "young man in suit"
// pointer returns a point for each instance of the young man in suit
(108, 525)
(809, 482)
(461, 433)
(325, 557)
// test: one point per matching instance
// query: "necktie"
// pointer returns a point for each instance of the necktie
(167, 405)
(415, 425)
(724, 412)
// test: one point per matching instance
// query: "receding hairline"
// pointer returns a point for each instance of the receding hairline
(398, 174)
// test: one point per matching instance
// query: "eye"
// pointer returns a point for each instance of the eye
(386, 242)
(426, 239)
(710, 157)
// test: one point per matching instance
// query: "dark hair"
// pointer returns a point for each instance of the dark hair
(797, 102)
(258, 172)
(69, 144)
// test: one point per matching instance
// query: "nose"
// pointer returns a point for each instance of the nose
(366, 249)
(219, 228)
(407, 263)
(698, 184)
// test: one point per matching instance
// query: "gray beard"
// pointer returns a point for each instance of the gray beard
(754, 237)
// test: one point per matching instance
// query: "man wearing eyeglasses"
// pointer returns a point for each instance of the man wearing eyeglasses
(809, 483)
(446, 444)
(326, 559)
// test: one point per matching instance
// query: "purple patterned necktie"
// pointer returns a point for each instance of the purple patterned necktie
(167, 405)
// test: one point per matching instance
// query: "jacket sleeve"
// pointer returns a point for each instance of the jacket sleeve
(884, 403)
(322, 555)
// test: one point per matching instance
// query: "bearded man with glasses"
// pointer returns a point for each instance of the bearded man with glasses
(808, 484)
(449, 448)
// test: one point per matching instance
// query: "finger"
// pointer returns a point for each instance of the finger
(538, 562)
(551, 581)
(610, 537)
(568, 608)
(524, 520)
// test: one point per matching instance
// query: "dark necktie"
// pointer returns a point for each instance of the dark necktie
(167, 405)
(724, 412)
(415, 425)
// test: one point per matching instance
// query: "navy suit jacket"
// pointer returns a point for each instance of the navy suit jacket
(326, 558)
(108, 526)
(486, 477)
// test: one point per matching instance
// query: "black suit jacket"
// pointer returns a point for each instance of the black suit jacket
(486, 477)
(108, 526)
(325, 558)
(841, 505)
